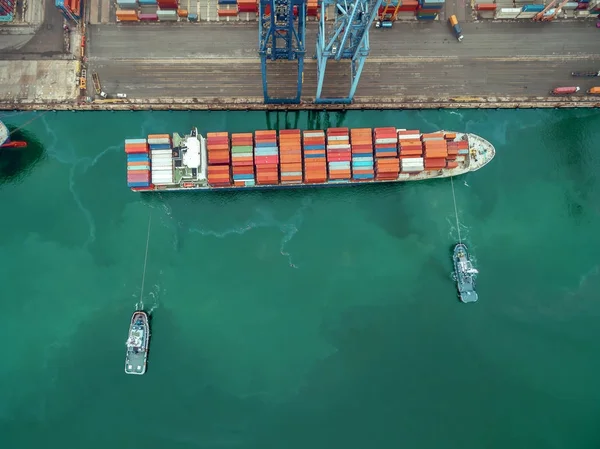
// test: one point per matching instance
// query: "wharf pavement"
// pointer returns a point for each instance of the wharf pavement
(412, 66)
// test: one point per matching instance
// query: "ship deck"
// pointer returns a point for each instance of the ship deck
(480, 153)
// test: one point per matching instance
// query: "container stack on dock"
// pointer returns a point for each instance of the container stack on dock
(227, 8)
(219, 169)
(266, 157)
(315, 161)
(387, 162)
(290, 154)
(435, 151)
(242, 159)
(452, 150)
(429, 9)
(339, 154)
(167, 4)
(7, 9)
(161, 156)
(312, 8)
(411, 151)
(250, 6)
(361, 140)
(138, 163)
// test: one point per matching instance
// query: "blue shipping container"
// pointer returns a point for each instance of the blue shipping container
(160, 146)
(137, 157)
(533, 8)
(243, 177)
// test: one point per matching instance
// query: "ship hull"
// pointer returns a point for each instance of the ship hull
(5, 141)
(165, 170)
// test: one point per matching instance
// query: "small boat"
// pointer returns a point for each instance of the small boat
(137, 343)
(464, 274)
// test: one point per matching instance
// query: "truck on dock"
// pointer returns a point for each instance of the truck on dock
(565, 90)
(97, 86)
(585, 74)
(456, 28)
(594, 91)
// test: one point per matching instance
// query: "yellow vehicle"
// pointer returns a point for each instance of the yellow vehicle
(456, 27)
(594, 91)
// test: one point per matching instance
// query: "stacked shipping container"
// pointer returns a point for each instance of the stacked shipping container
(339, 154)
(362, 154)
(127, 15)
(70, 9)
(227, 8)
(290, 153)
(242, 159)
(219, 170)
(312, 8)
(435, 151)
(387, 163)
(266, 157)
(247, 6)
(315, 162)
(161, 153)
(429, 9)
(138, 163)
(411, 151)
(452, 150)
(7, 10)
(167, 4)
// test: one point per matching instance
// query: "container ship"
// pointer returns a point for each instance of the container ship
(292, 158)
(5, 141)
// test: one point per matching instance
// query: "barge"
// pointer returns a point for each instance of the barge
(294, 158)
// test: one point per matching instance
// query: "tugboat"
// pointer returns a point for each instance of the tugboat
(5, 141)
(137, 344)
(464, 274)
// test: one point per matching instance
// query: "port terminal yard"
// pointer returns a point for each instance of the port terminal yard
(215, 65)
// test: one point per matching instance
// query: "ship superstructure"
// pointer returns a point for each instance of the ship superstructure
(294, 158)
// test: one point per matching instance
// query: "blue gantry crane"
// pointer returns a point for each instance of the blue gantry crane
(282, 27)
(347, 37)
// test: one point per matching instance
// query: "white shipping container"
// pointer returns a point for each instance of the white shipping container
(290, 173)
(314, 134)
(581, 13)
(384, 141)
(403, 176)
(159, 141)
(167, 12)
(527, 15)
(162, 162)
(412, 160)
(339, 147)
(503, 15)
(162, 179)
(161, 152)
(409, 137)
(168, 177)
(337, 138)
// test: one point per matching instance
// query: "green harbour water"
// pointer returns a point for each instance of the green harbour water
(310, 318)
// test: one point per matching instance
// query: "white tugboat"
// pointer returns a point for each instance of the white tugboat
(137, 344)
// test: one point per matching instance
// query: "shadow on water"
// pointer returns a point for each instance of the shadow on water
(16, 163)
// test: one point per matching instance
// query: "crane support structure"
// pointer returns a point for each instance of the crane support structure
(282, 28)
(346, 38)
(540, 15)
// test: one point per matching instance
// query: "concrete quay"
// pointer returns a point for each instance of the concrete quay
(215, 66)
